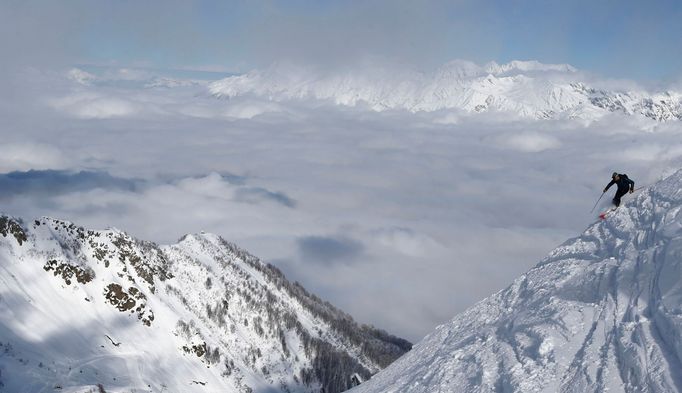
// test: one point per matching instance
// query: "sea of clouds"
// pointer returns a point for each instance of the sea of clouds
(401, 219)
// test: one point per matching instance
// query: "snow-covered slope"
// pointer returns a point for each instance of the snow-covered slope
(79, 308)
(602, 312)
(526, 88)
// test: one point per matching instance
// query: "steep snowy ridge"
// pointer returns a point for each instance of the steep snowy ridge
(602, 312)
(79, 308)
(525, 88)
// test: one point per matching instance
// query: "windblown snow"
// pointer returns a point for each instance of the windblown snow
(602, 312)
(528, 89)
(82, 310)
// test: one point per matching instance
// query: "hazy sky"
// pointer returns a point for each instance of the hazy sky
(615, 38)
(400, 219)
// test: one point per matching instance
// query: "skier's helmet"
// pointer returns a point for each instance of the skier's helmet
(614, 174)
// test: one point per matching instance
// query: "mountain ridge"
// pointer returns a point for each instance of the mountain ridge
(83, 307)
(528, 89)
(600, 313)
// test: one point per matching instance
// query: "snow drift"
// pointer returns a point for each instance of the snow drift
(602, 312)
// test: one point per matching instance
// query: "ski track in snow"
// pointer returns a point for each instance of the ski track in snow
(602, 312)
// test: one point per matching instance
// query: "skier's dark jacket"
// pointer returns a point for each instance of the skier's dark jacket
(624, 184)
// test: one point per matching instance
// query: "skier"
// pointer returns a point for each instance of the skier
(624, 185)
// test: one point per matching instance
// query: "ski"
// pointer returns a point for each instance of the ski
(604, 214)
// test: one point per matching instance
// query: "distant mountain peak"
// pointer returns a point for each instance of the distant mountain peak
(528, 89)
(519, 66)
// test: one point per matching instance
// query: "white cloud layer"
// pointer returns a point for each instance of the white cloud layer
(93, 106)
(400, 219)
(26, 156)
(530, 142)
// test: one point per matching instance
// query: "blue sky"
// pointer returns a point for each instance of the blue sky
(620, 39)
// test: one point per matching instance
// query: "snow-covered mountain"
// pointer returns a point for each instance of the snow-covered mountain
(525, 88)
(83, 309)
(602, 312)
